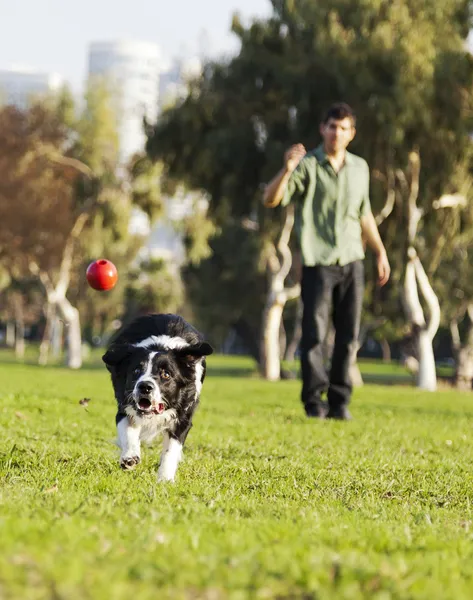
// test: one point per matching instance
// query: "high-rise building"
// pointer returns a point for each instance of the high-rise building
(174, 80)
(131, 69)
(23, 86)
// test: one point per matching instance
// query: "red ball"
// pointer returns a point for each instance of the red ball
(102, 275)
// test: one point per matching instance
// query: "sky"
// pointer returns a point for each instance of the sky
(53, 35)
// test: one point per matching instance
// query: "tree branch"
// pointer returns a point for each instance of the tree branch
(455, 335)
(272, 258)
(413, 307)
(450, 201)
(430, 297)
(66, 262)
(293, 292)
(283, 245)
(54, 156)
(390, 198)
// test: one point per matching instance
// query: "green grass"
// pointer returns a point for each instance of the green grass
(267, 504)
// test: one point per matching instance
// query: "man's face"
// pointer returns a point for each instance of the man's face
(337, 134)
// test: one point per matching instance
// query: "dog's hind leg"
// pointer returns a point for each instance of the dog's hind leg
(129, 442)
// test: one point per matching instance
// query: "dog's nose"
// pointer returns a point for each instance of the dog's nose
(145, 387)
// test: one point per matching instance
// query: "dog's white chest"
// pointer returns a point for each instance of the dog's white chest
(153, 425)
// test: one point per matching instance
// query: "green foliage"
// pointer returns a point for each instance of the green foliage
(120, 193)
(228, 287)
(152, 287)
(97, 127)
(402, 65)
(146, 186)
(276, 507)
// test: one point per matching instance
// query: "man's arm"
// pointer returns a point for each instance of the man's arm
(371, 236)
(274, 192)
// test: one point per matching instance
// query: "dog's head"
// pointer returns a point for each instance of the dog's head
(151, 378)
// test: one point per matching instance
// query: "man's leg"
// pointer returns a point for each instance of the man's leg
(316, 293)
(347, 305)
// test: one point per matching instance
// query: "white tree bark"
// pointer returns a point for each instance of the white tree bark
(19, 328)
(354, 372)
(56, 336)
(56, 298)
(272, 316)
(47, 334)
(10, 334)
(278, 295)
(56, 294)
(70, 315)
(416, 280)
(463, 351)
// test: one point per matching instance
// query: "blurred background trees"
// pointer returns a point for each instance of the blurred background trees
(66, 198)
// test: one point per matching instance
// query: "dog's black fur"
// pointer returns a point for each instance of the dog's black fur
(157, 365)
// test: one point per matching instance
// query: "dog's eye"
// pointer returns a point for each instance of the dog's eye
(165, 374)
(137, 371)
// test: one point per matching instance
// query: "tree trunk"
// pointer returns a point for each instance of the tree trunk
(282, 339)
(19, 329)
(278, 295)
(427, 375)
(464, 368)
(423, 333)
(386, 350)
(46, 340)
(10, 334)
(57, 294)
(416, 280)
(463, 351)
(270, 346)
(70, 315)
(57, 336)
(355, 373)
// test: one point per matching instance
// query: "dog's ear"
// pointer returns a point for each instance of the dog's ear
(193, 353)
(116, 354)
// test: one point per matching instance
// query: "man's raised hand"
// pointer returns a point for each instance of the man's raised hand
(293, 157)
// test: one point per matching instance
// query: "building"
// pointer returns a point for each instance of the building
(23, 86)
(174, 79)
(131, 68)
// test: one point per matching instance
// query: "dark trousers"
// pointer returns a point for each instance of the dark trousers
(330, 291)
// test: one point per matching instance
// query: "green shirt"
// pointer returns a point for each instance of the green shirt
(329, 207)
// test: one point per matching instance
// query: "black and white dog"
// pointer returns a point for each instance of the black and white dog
(158, 367)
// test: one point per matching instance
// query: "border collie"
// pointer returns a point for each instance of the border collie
(157, 365)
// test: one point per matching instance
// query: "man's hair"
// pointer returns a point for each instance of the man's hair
(340, 111)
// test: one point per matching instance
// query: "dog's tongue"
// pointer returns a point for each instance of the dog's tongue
(159, 409)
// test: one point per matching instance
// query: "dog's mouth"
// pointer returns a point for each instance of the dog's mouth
(146, 406)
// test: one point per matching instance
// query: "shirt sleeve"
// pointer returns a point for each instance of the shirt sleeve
(297, 184)
(365, 207)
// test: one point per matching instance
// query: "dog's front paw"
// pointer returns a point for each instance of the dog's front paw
(163, 476)
(127, 463)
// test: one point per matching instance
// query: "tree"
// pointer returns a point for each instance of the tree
(225, 287)
(35, 173)
(404, 68)
(152, 287)
(64, 202)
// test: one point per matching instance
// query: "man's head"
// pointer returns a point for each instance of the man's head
(338, 127)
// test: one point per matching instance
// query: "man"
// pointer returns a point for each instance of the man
(330, 187)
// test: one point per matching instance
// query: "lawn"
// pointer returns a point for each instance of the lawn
(267, 504)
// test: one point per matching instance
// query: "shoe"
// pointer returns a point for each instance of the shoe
(316, 411)
(341, 413)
